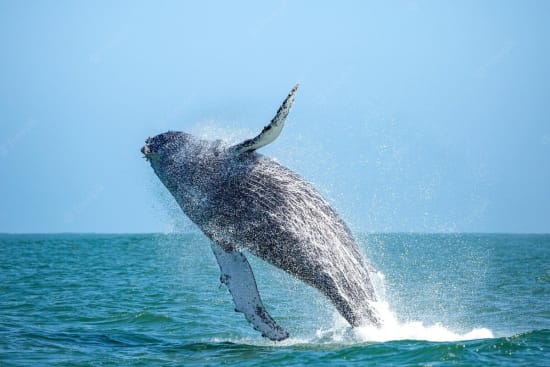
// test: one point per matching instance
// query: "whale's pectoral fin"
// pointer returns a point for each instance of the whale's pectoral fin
(238, 277)
(271, 131)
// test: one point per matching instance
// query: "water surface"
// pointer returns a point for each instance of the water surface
(80, 300)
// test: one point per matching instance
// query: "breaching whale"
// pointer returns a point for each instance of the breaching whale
(243, 200)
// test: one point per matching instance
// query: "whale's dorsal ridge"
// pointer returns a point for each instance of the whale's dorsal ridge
(271, 131)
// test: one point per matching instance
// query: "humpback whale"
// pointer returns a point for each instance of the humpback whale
(243, 200)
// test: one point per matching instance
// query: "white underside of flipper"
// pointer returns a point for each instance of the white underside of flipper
(238, 277)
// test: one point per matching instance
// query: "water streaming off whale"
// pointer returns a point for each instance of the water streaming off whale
(243, 200)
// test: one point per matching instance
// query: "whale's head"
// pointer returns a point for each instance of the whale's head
(183, 162)
(164, 145)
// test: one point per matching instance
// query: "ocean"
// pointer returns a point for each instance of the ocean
(156, 300)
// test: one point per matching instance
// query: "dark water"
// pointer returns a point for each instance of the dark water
(112, 300)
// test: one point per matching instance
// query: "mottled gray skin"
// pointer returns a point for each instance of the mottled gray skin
(248, 201)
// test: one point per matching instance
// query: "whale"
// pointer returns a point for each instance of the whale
(248, 203)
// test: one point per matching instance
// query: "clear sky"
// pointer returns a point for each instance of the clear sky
(422, 116)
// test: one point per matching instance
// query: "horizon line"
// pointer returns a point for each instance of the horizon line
(199, 232)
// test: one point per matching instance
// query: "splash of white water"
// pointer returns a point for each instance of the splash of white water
(392, 328)
(341, 333)
(212, 130)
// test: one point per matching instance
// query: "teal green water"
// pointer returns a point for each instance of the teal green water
(145, 300)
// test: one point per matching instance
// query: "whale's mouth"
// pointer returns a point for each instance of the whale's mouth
(146, 150)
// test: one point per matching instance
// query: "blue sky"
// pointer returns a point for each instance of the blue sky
(411, 115)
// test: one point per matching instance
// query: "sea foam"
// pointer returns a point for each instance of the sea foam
(393, 329)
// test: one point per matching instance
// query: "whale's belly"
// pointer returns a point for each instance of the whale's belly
(278, 216)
